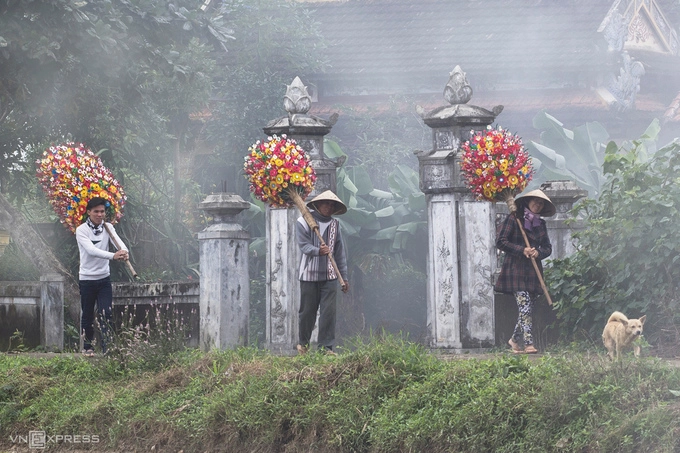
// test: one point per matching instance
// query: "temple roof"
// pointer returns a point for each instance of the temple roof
(395, 36)
(525, 54)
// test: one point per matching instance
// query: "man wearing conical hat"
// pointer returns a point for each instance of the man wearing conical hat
(318, 280)
(518, 276)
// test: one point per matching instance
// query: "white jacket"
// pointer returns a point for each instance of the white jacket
(94, 252)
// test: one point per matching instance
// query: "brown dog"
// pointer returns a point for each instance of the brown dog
(620, 332)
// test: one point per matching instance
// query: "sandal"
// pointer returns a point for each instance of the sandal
(302, 350)
(516, 349)
(531, 350)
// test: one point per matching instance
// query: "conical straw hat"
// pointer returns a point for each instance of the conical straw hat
(548, 207)
(329, 196)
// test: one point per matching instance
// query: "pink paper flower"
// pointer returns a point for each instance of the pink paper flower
(70, 175)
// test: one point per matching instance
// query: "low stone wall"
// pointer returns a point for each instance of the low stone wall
(35, 310)
(19, 311)
(162, 303)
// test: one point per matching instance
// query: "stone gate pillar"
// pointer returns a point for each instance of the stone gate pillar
(283, 255)
(52, 311)
(461, 253)
(225, 283)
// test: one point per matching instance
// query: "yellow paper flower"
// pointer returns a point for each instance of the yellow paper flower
(66, 173)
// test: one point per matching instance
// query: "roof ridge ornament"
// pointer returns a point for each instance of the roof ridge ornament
(639, 25)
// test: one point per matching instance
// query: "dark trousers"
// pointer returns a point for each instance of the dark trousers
(321, 297)
(95, 293)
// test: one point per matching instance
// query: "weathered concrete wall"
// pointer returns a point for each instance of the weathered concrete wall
(35, 310)
(19, 310)
(173, 301)
(283, 290)
(477, 253)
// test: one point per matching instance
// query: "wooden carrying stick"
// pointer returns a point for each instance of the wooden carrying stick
(533, 261)
(297, 201)
(117, 245)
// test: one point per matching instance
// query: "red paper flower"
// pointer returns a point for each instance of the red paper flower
(495, 164)
(70, 175)
(277, 166)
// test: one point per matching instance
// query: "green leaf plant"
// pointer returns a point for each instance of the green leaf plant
(628, 254)
(382, 225)
(568, 154)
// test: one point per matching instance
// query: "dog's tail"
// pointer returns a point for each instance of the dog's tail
(617, 316)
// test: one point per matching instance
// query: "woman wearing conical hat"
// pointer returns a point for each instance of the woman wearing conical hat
(518, 276)
(318, 280)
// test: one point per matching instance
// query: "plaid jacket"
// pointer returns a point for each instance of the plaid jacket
(517, 273)
(313, 267)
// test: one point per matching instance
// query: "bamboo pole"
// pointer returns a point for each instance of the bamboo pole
(117, 245)
(533, 261)
(300, 204)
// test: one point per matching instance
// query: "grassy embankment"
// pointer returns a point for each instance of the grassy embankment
(382, 396)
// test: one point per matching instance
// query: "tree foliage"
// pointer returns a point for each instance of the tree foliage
(135, 81)
(628, 254)
(277, 40)
(122, 77)
(381, 137)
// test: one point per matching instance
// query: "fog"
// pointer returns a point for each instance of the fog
(373, 62)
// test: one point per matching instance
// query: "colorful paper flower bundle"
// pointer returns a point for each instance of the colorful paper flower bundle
(496, 165)
(277, 169)
(70, 175)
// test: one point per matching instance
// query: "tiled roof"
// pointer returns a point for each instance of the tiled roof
(525, 54)
(377, 37)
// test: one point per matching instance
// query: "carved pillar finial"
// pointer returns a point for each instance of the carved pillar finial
(458, 89)
(297, 99)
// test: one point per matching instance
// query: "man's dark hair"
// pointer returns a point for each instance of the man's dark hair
(96, 201)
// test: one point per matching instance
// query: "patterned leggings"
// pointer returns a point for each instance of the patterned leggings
(525, 306)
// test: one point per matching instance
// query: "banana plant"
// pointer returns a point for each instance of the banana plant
(569, 154)
(382, 222)
(579, 155)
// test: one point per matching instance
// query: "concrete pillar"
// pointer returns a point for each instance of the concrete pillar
(283, 289)
(283, 255)
(225, 283)
(52, 311)
(461, 255)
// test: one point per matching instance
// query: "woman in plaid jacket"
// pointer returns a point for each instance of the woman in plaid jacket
(518, 275)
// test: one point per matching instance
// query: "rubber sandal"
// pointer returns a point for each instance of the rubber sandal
(515, 347)
(302, 350)
(530, 350)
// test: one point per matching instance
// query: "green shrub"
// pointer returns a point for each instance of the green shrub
(380, 395)
(628, 254)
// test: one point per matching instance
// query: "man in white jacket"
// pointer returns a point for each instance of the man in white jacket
(94, 280)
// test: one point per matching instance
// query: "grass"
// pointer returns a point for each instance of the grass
(380, 395)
